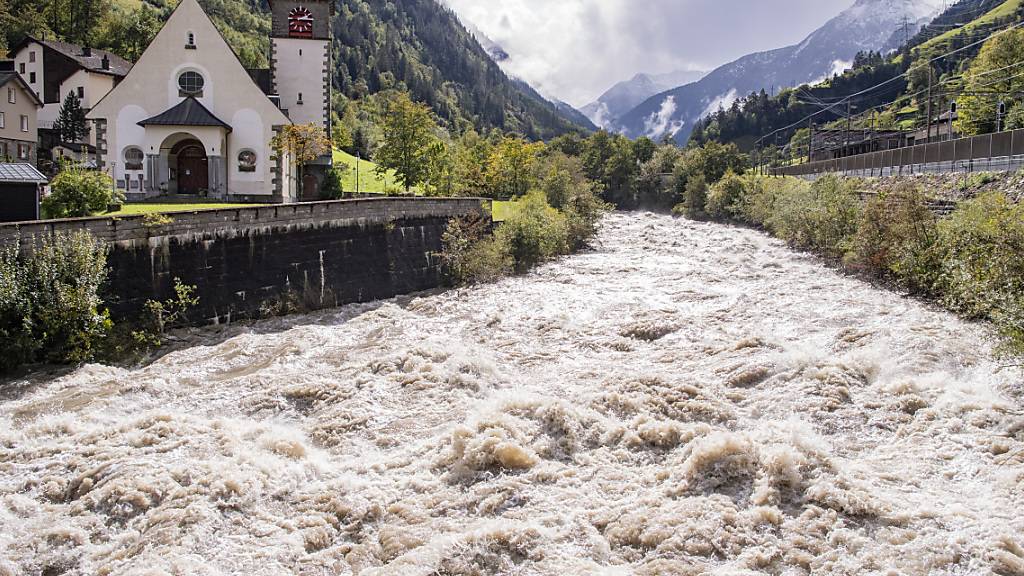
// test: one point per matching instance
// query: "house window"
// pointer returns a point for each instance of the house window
(32, 56)
(81, 92)
(190, 84)
(300, 98)
(21, 68)
(190, 42)
(24, 151)
(3, 120)
(3, 151)
(11, 96)
(133, 158)
(246, 161)
(32, 78)
(24, 123)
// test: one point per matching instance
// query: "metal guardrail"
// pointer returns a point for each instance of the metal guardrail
(1000, 151)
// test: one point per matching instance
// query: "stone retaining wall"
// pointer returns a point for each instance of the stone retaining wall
(246, 260)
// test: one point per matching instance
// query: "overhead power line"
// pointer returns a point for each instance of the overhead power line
(890, 80)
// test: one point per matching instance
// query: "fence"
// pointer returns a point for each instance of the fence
(1000, 151)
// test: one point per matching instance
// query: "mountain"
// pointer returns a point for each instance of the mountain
(868, 25)
(421, 45)
(628, 94)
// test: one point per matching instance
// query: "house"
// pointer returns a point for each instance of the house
(54, 69)
(19, 108)
(190, 119)
(82, 154)
(20, 192)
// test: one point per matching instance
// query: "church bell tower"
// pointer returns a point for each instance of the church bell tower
(300, 71)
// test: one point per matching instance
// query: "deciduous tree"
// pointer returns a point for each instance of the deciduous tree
(408, 141)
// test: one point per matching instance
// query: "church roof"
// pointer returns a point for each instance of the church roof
(188, 112)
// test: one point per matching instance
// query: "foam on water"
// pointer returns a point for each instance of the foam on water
(686, 399)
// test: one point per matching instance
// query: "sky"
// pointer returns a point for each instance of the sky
(574, 50)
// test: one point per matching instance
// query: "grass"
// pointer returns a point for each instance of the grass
(146, 208)
(502, 209)
(369, 180)
(1002, 11)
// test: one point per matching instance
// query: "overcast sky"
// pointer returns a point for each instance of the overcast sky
(576, 49)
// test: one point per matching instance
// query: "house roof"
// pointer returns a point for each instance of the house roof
(20, 173)
(93, 62)
(6, 77)
(77, 147)
(188, 112)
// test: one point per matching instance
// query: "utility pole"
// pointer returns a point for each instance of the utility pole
(929, 136)
(849, 128)
(358, 154)
(810, 141)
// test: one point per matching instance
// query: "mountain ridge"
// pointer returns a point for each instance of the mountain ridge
(866, 25)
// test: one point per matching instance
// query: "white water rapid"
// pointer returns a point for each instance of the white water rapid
(686, 399)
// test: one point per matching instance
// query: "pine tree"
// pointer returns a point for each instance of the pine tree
(71, 121)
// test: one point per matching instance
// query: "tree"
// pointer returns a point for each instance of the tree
(71, 120)
(408, 141)
(305, 143)
(77, 192)
(991, 75)
(510, 167)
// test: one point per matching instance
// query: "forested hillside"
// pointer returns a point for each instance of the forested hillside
(414, 45)
(957, 36)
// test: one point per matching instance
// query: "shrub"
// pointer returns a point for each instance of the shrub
(471, 254)
(983, 271)
(534, 232)
(583, 213)
(898, 235)
(50, 307)
(725, 197)
(78, 192)
(696, 198)
(823, 216)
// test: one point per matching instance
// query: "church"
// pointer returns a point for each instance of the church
(189, 119)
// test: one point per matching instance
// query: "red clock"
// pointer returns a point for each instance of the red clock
(300, 22)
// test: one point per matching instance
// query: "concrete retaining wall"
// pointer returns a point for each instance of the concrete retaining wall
(245, 259)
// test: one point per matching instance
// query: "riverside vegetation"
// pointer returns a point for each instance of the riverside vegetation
(968, 261)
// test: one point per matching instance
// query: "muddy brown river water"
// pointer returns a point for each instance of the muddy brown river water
(686, 399)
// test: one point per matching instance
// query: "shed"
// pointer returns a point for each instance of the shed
(20, 191)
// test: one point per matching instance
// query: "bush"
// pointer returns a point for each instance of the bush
(823, 216)
(983, 271)
(471, 254)
(534, 232)
(725, 197)
(49, 301)
(898, 235)
(696, 198)
(77, 192)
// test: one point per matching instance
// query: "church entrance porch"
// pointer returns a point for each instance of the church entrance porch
(193, 170)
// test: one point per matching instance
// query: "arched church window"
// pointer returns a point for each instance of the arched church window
(133, 158)
(246, 161)
(190, 84)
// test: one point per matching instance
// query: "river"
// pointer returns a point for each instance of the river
(687, 398)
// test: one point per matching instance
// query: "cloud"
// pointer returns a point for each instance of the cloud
(660, 123)
(576, 49)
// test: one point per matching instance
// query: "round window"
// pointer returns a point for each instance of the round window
(133, 158)
(247, 161)
(191, 83)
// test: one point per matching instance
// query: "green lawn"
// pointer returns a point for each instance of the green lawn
(1003, 10)
(369, 180)
(146, 208)
(501, 209)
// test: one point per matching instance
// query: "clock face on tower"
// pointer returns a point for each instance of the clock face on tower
(300, 23)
